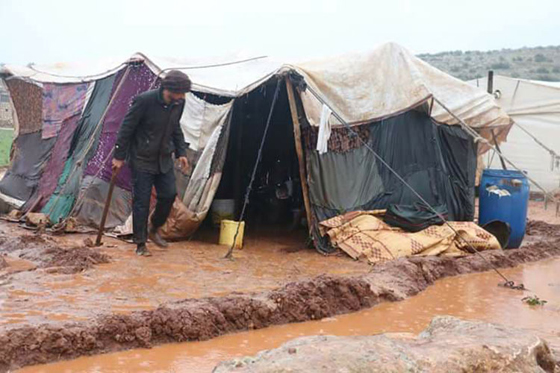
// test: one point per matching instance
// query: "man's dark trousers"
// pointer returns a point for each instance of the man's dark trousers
(166, 191)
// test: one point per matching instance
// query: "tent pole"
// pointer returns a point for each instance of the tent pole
(299, 150)
(474, 134)
(490, 89)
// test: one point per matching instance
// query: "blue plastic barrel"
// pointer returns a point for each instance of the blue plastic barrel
(504, 196)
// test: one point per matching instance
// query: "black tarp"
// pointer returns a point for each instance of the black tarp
(439, 162)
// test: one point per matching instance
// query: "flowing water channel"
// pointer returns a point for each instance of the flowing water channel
(473, 296)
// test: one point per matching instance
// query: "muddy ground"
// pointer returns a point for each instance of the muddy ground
(249, 293)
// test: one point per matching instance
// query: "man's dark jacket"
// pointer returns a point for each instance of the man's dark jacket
(151, 133)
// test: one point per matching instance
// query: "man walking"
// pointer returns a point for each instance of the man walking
(148, 137)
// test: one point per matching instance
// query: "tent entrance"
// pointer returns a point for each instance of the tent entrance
(276, 199)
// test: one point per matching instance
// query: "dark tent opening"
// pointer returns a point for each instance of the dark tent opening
(275, 202)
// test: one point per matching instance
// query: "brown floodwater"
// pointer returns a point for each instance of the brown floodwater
(473, 296)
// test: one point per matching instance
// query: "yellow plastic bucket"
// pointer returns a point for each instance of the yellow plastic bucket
(228, 228)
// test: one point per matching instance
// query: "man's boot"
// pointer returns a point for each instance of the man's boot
(142, 250)
(155, 237)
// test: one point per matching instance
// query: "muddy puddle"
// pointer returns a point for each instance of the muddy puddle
(473, 296)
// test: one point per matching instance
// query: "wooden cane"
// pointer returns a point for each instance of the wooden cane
(106, 208)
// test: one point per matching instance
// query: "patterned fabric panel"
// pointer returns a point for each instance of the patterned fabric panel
(28, 102)
(60, 102)
(341, 139)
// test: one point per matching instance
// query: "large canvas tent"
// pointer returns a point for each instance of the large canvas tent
(401, 107)
(534, 141)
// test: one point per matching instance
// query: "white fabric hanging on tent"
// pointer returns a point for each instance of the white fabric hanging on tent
(200, 119)
(324, 130)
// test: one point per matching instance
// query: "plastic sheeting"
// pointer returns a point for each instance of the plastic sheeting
(535, 106)
(30, 155)
(363, 87)
(55, 165)
(81, 150)
(439, 162)
(138, 80)
(90, 208)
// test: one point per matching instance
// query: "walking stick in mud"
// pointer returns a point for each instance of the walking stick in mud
(106, 208)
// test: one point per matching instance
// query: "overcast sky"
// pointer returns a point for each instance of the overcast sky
(44, 31)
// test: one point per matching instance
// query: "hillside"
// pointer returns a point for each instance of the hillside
(539, 63)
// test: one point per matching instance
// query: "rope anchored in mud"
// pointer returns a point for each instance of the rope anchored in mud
(507, 282)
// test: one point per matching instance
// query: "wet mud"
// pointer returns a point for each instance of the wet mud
(205, 318)
(542, 229)
(44, 252)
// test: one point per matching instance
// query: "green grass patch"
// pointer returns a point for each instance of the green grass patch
(6, 137)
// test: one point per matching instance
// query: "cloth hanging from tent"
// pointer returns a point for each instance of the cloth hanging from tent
(200, 119)
(28, 103)
(324, 130)
(139, 79)
(81, 149)
(54, 167)
(31, 153)
(187, 215)
(364, 236)
(61, 101)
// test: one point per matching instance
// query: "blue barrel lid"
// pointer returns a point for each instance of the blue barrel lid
(513, 174)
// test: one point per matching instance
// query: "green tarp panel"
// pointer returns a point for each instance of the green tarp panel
(84, 145)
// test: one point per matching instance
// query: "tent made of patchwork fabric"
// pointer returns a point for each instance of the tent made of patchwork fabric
(69, 115)
(363, 235)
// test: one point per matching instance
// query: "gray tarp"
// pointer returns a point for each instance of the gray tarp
(30, 156)
(439, 162)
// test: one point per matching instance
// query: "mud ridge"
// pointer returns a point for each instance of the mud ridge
(43, 252)
(202, 319)
(541, 228)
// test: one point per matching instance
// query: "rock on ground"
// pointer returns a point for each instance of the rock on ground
(447, 345)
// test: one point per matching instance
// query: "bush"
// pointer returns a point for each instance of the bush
(500, 66)
(515, 75)
(542, 70)
(556, 69)
(539, 57)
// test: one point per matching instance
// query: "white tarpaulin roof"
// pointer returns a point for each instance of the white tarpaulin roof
(360, 87)
(535, 106)
(390, 80)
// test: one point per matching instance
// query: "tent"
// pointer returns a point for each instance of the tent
(534, 142)
(395, 104)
